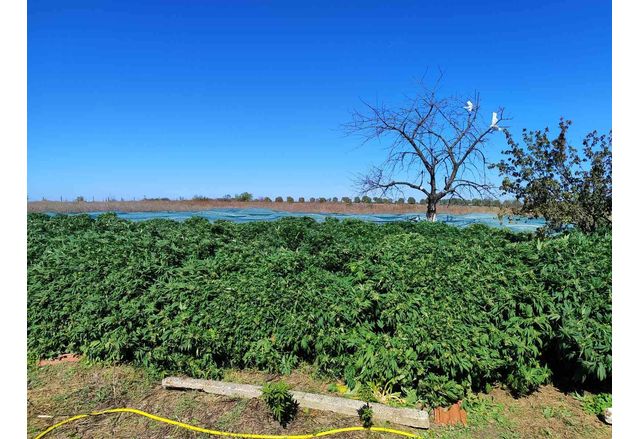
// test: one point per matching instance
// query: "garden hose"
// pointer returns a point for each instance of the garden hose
(224, 433)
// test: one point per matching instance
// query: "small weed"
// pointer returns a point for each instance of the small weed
(365, 413)
(595, 404)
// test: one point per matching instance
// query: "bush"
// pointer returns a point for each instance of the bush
(346, 200)
(280, 402)
(400, 201)
(289, 199)
(279, 200)
(411, 200)
(366, 199)
(421, 306)
(267, 200)
(356, 199)
(301, 200)
(200, 198)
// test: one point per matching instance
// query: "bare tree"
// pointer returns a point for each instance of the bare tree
(435, 146)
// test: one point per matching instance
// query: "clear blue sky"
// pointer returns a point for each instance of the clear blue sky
(170, 98)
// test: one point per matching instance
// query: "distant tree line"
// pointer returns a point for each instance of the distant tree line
(246, 196)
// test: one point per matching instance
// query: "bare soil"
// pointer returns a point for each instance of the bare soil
(66, 389)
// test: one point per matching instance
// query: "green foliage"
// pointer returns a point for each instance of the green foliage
(365, 413)
(200, 198)
(411, 200)
(279, 200)
(554, 181)
(245, 196)
(301, 200)
(414, 306)
(595, 404)
(289, 199)
(280, 401)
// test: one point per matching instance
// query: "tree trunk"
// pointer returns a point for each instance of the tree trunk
(431, 211)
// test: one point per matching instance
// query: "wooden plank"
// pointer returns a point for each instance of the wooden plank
(404, 416)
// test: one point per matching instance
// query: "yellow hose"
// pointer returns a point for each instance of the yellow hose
(224, 433)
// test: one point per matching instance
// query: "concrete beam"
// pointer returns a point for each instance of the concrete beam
(403, 416)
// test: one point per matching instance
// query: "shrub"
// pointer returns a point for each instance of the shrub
(301, 200)
(200, 198)
(280, 401)
(279, 200)
(356, 199)
(400, 201)
(366, 199)
(267, 199)
(346, 200)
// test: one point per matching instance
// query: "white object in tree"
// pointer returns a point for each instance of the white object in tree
(494, 122)
(469, 106)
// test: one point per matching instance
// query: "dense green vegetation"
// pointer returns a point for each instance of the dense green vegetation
(422, 307)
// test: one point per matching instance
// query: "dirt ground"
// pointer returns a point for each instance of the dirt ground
(64, 390)
(196, 205)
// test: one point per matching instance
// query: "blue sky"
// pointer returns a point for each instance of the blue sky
(170, 98)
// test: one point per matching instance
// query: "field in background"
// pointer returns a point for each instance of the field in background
(194, 205)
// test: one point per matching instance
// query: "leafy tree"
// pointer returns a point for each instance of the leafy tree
(322, 200)
(334, 199)
(279, 200)
(267, 199)
(411, 200)
(346, 200)
(400, 201)
(356, 199)
(245, 196)
(312, 200)
(301, 200)
(366, 199)
(289, 199)
(553, 181)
